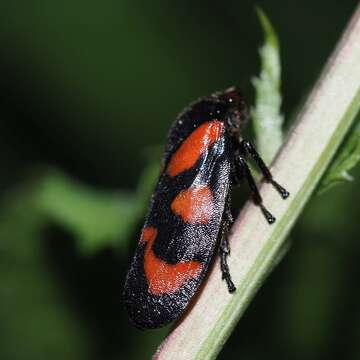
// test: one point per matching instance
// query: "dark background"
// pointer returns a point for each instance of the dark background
(88, 91)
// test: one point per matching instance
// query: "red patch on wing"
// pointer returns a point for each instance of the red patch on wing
(194, 146)
(165, 278)
(194, 205)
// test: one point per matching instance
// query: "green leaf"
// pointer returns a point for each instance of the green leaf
(266, 115)
(347, 159)
(36, 317)
(97, 218)
(32, 300)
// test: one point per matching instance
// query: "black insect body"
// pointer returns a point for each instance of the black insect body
(190, 214)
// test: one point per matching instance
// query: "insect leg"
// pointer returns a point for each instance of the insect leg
(253, 188)
(224, 248)
(247, 148)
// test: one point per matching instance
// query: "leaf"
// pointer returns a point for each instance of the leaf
(266, 114)
(346, 160)
(37, 321)
(97, 218)
(30, 287)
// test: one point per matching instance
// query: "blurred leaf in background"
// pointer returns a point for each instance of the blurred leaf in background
(35, 320)
(45, 316)
(98, 219)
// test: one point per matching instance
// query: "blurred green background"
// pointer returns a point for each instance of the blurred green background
(88, 91)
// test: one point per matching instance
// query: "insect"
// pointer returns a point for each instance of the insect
(190, 210)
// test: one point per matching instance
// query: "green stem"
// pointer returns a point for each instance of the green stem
(319, 130)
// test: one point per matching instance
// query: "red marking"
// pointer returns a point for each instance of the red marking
(194, 146)
(194, 205)
(148, 235)
(165, 278)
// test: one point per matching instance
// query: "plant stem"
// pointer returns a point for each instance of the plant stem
(319, 130)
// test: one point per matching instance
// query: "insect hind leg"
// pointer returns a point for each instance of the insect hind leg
(247, 148)
(241, 162)
(224, 248)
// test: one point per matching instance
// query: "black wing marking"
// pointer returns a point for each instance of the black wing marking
(177, 241)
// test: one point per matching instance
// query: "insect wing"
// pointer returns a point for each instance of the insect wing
(180, 233)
